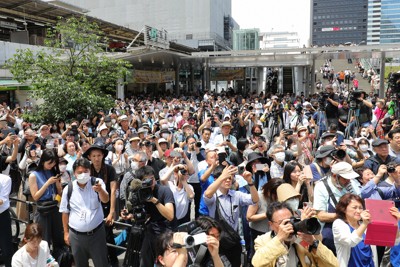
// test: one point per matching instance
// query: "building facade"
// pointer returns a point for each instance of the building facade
(206, 24)
(246, 39)
(272, 40)
(390, 21)
(337, 22)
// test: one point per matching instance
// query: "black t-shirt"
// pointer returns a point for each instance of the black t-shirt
(108, 171)
(331, 110)
(157, 222)
(343, 113)
(157, 165)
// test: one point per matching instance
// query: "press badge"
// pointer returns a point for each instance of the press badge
(83, 215)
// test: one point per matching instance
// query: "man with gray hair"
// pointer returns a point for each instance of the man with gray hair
(139, 159)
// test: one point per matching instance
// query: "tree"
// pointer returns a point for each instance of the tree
(72, 74)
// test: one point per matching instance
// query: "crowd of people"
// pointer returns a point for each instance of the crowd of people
(248, 167)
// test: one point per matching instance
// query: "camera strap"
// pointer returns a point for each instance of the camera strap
(331, 196)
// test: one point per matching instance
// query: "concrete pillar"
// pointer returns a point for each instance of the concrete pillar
(177, 89)
(280, 80)
(251, 79)
(312, 78)
(191, 78)
(260, 80)
(203, 77)
(299, 85)
(382, 76)
(120, 88)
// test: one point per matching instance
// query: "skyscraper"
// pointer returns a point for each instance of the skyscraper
(339, 21)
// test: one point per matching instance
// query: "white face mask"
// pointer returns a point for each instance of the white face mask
(108, 124)
(302, 133)
(62, 168)
(280, 156)
(164, 126)
(363, 148)
(328, 160)
(119, 148)
(165, 135)
(293, 203)
(83, 178)
(364, 134)
(134, 165)
(294, 148)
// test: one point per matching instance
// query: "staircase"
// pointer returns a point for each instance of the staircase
(287, 80)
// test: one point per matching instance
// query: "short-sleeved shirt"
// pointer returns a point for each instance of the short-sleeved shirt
(158, 222)
(229, 205)
(85, 212)
(203, 210)
(181, 199)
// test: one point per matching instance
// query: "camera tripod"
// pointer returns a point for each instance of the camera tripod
(352, 112)
(321, 121)
(273, 127)
(132, 255)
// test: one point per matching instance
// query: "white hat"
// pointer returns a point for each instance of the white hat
(103, 127)
(162, 140)
(210, 147)
(345, 170)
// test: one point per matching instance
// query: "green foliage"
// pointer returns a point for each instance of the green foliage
(73, 75)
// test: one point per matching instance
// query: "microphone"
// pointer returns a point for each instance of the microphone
(136, 184)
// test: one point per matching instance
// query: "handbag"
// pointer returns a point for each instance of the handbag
(229, 237)
(44, 207)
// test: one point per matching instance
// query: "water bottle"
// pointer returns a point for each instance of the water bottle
(244, 253)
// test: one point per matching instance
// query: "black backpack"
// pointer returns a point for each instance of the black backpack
(64, 257)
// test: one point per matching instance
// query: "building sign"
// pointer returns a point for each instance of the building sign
(156, 37)
(227, 74)
(144, 76)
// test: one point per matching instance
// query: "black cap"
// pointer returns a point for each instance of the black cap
(378, 142)
(324, 151)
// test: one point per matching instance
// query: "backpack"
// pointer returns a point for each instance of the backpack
(70, 187)
(64, 257)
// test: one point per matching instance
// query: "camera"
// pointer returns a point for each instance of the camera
(323, 96)
(198, 144)
(391, 169)
(339, 154)
(308, 226)
(183, 171)
(137, 194)
(353, 99)
(195, 240)
(289, 132)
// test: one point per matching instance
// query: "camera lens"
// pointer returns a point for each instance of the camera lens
(391, 169)
(198, 144)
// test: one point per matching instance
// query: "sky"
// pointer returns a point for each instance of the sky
(274, 15)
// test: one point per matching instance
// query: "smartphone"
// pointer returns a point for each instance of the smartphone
(307, 204)
(240, 170)
(7, 131)
(260, 167)
(221, 157)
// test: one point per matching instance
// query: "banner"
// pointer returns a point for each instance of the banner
(227, 74)
(145, 76)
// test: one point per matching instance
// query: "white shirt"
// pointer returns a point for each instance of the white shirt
(5, 189)
(181, 200)
(85, 212)
(276, 171)
(344, 241)
(22, 258)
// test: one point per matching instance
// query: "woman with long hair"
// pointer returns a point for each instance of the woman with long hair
(293, 174)
(45, 185)
(35, 251)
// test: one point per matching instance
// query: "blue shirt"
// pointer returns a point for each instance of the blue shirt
(370, 190)
(203, 210)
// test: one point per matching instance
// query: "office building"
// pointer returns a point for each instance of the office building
(337, 22)
(205, 25)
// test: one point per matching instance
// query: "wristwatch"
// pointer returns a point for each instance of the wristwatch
(313, 245)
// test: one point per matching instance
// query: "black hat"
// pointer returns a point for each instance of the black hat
(99, 146)
(252, 157)
(378, 142)
(327, 134)
(324, 151)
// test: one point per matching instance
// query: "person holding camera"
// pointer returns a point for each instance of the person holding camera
(224, 203)
(332, 103)
(160, 209)
(82, 216)
(277, 247)
(381, 148)
(182, 191)
(225, 139)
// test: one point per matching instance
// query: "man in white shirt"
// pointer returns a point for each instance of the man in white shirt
(82, 216)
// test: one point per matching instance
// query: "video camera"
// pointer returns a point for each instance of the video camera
(138, 193)
(308, 226)
(323, 96)
(353, 99)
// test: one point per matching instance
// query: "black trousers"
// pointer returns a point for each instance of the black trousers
(6, 238)
(148, 253)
